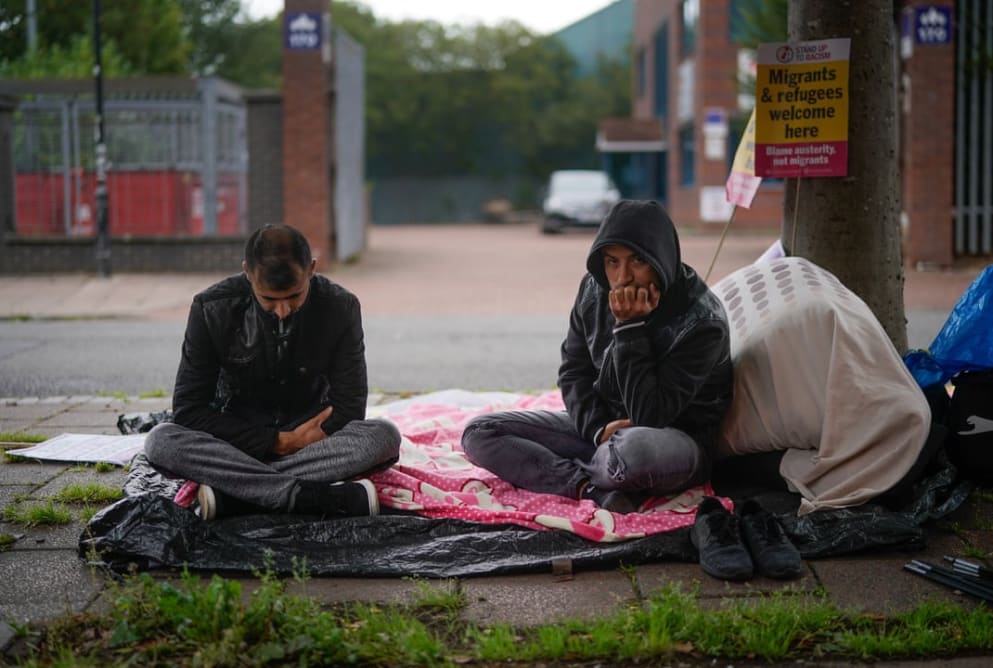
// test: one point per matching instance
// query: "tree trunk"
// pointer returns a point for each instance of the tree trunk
(850, 225)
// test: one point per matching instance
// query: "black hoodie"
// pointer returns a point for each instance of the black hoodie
(671, 370)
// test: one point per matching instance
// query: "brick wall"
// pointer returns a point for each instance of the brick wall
(927, 151)
(306, 131)
(150, 254)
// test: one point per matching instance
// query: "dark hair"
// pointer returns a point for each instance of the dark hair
(273, 250)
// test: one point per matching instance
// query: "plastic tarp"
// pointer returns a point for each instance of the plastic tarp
(146, 529)
(965, 341)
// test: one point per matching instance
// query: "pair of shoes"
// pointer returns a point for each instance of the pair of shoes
(349, 498)
(613, 500)
(215, 504)
(734, 545)
(716, 536)
(773, 553)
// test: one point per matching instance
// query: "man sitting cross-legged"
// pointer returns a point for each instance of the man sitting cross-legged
(270, 396)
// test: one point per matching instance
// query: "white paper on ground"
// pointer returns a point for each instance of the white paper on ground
(86, 448)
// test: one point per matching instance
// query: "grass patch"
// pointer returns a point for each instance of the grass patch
(201, 622)
(104, 467)
(88, 493)
(45, 514)
(11, 456)
(974, 552)
(21, 437)
(6, 542)
(157, 393)
(114, 395)
(984, 494)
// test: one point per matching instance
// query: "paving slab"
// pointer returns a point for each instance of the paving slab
(82, 475)
(69, 420)
(652, 578)
(877, 583)
(30, 411)
(28, 472)
(534, 599)
(16, 426)
(44, 584)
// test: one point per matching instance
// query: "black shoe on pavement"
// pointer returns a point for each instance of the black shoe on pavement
(615, 500)
(773, 553)
(716, 536)
(215, 504)
(350, 498)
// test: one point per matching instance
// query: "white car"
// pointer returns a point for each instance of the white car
(577, 197)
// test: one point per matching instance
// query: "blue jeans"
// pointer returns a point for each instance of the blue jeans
(541, 451)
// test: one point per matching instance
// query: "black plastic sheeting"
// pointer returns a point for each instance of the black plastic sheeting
(151, 531)
(147, 530)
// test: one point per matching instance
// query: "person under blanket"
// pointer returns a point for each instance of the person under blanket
(270, 396)
(646, 378)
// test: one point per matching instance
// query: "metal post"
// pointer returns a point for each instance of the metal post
(32, 25)
(103, 225)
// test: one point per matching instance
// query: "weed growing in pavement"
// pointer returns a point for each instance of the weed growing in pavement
(45, 514)
(92, 492)
(6, 541)
(10, 457)
(974, 552)
(21, 437)
(984, 494)
(87, 513)
(121, 396)
(157, 393)
(104, 467)
(209, 622)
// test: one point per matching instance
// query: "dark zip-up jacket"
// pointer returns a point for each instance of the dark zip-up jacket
(230, 383)
(672, 369)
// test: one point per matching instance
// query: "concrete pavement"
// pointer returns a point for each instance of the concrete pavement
(442, 271)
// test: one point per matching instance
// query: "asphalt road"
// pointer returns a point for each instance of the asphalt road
(478, 307)
(404, 353)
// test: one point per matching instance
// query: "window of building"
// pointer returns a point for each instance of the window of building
(661, 47)
(639, 72)
(690, 12)
(687, 166)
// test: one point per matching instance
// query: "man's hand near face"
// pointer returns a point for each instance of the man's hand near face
(306, 433)
(630, 302)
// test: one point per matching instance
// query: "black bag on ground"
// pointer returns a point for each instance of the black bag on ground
(970, 421)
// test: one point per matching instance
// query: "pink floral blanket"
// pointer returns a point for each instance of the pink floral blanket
(434, 478)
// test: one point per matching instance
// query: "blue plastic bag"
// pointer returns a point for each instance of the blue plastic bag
(965, 341)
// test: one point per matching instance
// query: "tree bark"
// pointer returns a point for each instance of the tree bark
(850, 225)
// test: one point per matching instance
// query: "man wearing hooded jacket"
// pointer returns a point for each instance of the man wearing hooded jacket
(646, 377)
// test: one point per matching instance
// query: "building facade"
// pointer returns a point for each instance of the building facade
(686, 71)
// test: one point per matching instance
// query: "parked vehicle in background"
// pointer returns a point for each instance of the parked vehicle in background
(577, 197)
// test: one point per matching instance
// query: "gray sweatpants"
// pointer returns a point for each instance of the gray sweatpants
(360, 447)
(541, 451)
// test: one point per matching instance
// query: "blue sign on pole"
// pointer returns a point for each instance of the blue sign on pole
(302, 30)
(932, 25)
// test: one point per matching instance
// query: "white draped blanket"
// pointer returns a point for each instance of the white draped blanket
(817, 376)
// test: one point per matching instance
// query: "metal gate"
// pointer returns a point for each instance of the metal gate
(974, 128)
(176, 150)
